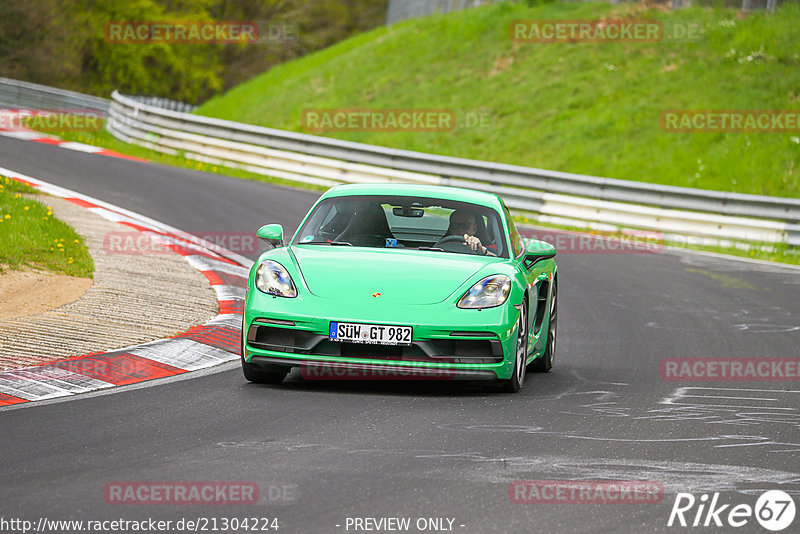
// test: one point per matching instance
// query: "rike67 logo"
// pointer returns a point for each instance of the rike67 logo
(774, 510)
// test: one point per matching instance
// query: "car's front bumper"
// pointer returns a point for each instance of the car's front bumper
(341, 370)
(448, 342)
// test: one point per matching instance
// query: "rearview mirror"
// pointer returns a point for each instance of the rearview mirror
(407, 211)
(272, 234)
(536, 251)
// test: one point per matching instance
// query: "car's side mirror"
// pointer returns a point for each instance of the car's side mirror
(272, 234)
(536, 251)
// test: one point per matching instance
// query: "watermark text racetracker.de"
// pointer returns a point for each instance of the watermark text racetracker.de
(62, 120)
(730, 369)
(197, 493)
(320, 120)
(624, 242)
(45, 525)
(133, 242)
(730, 120)
(314, 371)
(200, 31)
(181, 493)
(604, 31)
(585, 492)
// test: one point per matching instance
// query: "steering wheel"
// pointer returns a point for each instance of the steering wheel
(456, 243)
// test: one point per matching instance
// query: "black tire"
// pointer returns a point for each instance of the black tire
(261, 373)
(264, 374)
(514, 384)
(545, 362)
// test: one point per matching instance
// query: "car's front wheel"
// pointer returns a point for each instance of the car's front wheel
(263, 374)
(514, 384)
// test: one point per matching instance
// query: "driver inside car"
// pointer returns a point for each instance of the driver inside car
(465, 223)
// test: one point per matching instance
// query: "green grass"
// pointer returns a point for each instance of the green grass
(589, 108)
(32, 237)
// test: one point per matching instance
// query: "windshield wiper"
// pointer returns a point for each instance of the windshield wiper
(336, 243)
(431, 248)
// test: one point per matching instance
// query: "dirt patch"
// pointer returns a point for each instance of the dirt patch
(30, 292)
(134, 299)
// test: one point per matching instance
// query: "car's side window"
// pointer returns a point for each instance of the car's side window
(516, 240)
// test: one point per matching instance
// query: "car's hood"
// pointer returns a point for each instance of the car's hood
(400, 276)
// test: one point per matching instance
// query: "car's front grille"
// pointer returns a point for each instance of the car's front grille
(364, 350)
(453, 350)
(467, 348)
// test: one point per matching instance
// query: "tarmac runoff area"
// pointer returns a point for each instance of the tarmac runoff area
(134, 298)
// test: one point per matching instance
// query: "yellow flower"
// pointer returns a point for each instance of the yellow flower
(26, 208)
(76, 241)
(62, 239)
(60, 245)
(55, 240)
(17, 195)
(70, 260)
(8, 216)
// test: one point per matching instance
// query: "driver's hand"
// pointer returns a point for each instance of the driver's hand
(474, 243)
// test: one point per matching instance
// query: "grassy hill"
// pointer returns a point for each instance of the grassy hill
(590, 108)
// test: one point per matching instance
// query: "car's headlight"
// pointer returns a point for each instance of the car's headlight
(273, 279)
(490, 292)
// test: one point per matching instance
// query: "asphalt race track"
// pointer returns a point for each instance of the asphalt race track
(325, 453)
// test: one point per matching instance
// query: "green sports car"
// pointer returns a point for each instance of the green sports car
(401, 281)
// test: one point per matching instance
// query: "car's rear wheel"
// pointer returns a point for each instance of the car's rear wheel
(514, 384)
(261, 373)
(545, 363)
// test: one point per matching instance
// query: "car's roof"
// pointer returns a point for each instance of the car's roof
(422, 190)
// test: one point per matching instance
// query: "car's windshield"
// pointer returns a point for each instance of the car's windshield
(404, 222)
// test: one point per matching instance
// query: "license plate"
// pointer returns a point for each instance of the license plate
(376, 334)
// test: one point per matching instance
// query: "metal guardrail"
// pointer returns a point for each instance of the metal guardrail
(397, 10)
(554, 196)
(164, 103)
(32, 95)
